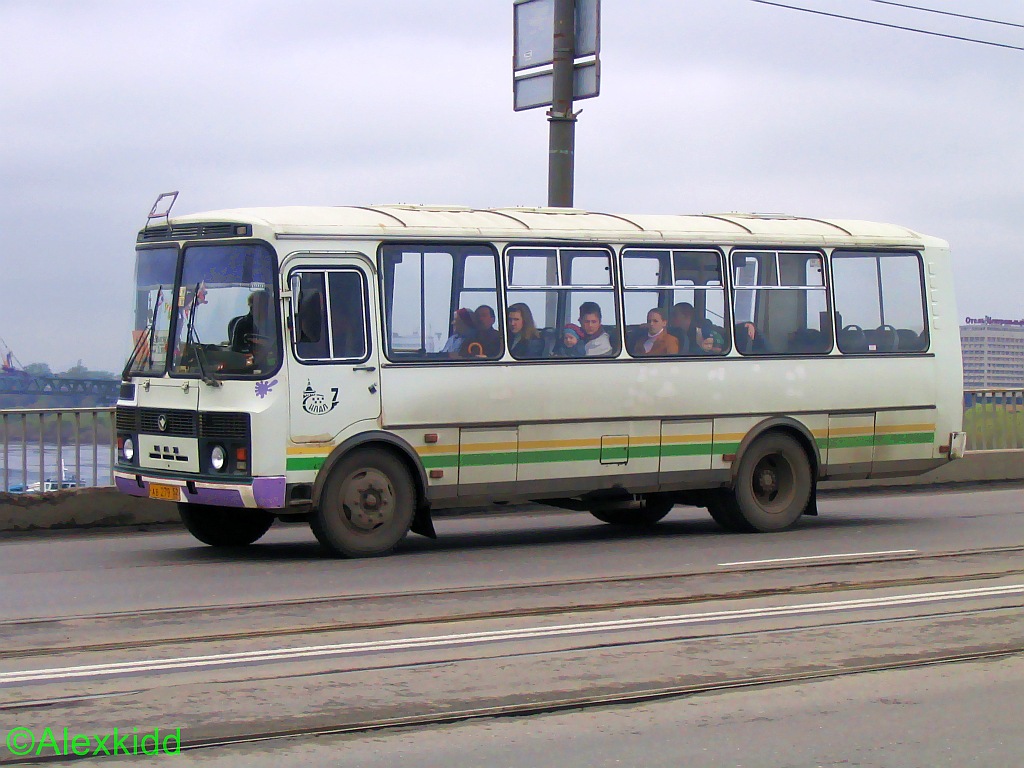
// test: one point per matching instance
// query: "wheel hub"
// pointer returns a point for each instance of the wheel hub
(768, 481)
(368, 499)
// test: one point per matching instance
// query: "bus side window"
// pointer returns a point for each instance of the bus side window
(780, 300)
(879, 299)
(556, 284)
(426, 287)
(686, 284)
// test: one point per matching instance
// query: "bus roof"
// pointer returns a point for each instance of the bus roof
(386, 221)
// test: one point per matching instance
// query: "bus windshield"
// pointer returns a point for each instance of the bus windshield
(154, 285)
(226, 318)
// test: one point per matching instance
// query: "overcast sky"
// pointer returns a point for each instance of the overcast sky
(705, 106)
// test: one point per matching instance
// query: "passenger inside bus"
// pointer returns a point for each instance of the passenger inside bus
(695, 337)
(571, 342)
(524, 341)
(463, 335)
(657, 340)
(750, 341)
(489, 338)
(596, 340)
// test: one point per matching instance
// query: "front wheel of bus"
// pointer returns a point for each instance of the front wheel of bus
(225, 526)
(773, 483)
(366, 507)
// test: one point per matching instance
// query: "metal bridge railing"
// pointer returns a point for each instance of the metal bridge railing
(76, 445)
(994, 419)
(52, 448)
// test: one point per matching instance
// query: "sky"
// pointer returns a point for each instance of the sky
(706, 106)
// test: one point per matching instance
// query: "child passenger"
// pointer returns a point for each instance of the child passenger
(571, 343)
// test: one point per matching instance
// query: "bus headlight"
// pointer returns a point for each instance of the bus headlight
(218, 458)
(128, 449)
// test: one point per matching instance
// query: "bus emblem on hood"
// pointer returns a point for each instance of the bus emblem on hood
(161, 422)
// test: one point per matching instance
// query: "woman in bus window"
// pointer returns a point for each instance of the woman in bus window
(658, 340)
(524, 339)
(463, 334)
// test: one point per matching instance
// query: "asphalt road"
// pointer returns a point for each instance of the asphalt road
(887, 631)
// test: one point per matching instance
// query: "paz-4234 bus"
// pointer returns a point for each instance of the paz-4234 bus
(361, 367)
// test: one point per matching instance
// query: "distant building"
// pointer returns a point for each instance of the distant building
(993, 352)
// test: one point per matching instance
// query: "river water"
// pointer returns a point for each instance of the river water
(80, 464)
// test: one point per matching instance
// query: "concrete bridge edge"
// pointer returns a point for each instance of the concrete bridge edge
(106, 509)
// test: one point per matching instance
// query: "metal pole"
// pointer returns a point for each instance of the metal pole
(561, 120)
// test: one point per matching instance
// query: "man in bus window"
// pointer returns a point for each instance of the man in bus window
(681, 325)
(486, 334)
(595, 338)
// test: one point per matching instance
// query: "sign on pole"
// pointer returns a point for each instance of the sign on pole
(537, 89)
(533, 51)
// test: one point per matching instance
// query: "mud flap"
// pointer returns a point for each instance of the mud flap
(812, 503)
(422, 523)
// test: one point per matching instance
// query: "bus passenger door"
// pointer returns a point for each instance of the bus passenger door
(334, 376)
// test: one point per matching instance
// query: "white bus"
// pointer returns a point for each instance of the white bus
(359, 367)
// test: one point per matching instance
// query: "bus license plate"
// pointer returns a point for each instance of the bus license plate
(165, 492)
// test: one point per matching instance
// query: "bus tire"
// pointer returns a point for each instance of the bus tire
(367, 505)
(225, 526)
(722, 505)
(773, 483)
(653, 510)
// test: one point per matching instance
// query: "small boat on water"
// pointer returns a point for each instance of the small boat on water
(51, 484)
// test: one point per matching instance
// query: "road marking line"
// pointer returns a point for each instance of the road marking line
(469, 638)
(822, 557)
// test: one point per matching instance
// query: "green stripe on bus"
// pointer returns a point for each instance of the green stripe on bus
(687, 449)
(644, 452)
(486, 459)
(440, 462)
(725, 447)
(298, 463)
(565, 454)
(854, 441)
(905, 438)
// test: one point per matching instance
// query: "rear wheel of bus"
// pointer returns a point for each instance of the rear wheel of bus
(773, 487)
(367, 505)
(225, 526)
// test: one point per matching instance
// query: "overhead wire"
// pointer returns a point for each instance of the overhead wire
(889, 26)
(947, 13)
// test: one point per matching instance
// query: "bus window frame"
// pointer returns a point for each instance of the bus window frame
(825, 288)
(669, 289)
(275, 270)
(614, 287)
(923, 284)
(434, 358)
(328, 328)
(172, 322)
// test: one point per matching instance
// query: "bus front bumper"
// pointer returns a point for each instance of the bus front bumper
(253, 493)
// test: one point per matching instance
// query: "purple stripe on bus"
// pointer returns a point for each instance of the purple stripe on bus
(269, 492)
(218, 497)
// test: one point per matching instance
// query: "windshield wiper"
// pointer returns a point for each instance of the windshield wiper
(191, 338)
(147, 336)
